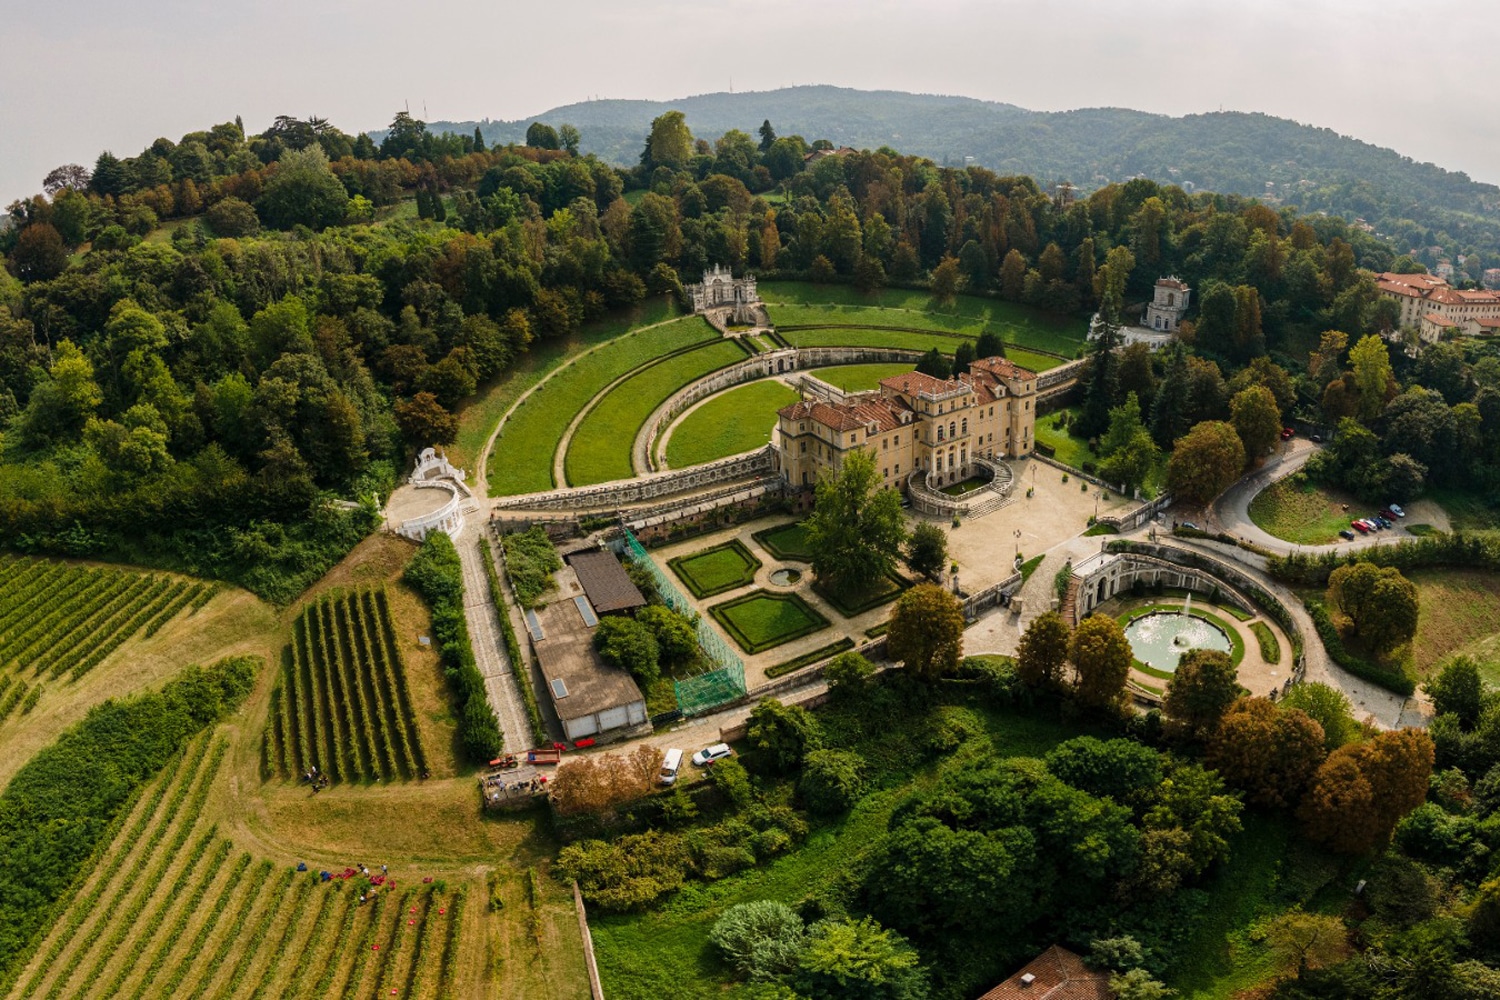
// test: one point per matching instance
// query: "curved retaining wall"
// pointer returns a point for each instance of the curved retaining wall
(448, 518)
(767, 365)
(625, 492)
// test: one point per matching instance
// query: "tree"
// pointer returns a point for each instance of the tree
(1376, 605)
(784, 734)
(540, 136)
(68, 177)
(303, 191)
(927, 631)
(1270, 753)
(232, 217)
(39, 253)
(1371, 366)
(989, 345)
(1256, 419)
(856, 529)
(670, 144)
(945, 280)
(629, 645)
(1169, 410)
(569, 137)
(832, 781)
(1363, 790)
(1205, 461)
(1129, 453)
(1099, 392)
(1138, 984)
(1012, 276)
(963, 357)
(1203, 687)
(767, 136)
(1328, 707)
(1043, 651)
(1302, 941)
(927, 550)
(848, 676)
(676, 639)
(1101, 655)
(478, 141)
(424, 421)
(761, 939)
(1459, 689)
(848, 958)
(933, 363)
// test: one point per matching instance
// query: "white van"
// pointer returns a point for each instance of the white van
(669, 765)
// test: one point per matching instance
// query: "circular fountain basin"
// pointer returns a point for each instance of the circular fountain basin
(1160, 638)
(785, 577)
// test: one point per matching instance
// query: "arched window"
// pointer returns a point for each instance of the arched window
(966, 427)
(952, 427)
(1171, 299)
(940, 432)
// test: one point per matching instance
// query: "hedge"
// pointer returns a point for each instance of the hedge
(815, 656)
(512, 647)
(64, 801)
(437, 574)
(1473, 550)
(1392, 679)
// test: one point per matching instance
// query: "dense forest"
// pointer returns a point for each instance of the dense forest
(205, 345)
(1416, 205)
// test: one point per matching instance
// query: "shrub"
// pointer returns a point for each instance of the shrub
(530, 561)
(761, 939)
(832, 780)
(783, 734)
(629, 645)
(730, 777)
(630, 873)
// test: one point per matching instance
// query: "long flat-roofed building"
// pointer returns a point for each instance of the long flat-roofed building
(915, 423)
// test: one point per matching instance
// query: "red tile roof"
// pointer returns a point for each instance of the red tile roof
(917, 382)
(1058, 974)
(858, 412)
(1004, 367)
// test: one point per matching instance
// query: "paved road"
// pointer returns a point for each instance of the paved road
(1231, 512)
(486, 638)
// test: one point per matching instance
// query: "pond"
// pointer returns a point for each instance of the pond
(1159, 639)
(785, 577)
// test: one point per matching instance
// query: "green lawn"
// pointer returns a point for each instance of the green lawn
(477, 417)
(785, 541)
(761, 620)
(860, 378)
(1270, 649)
(1304, 515)
(602, 444)
(522, 459)
(801, 303)
(1073, 451)
(715, 570)
(1460, 613)
(733, 421)
(883, 591)
(957, 489)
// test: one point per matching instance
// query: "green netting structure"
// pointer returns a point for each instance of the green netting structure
(707, 690)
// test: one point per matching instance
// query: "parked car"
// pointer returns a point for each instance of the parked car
(1346, 535)
(1287, 433)
(669, 765)
(1359, 526)
(1395, 509)
(706, 756)
(1383, 521)
(1317, 439)
(1388, 513)
(1189, 525)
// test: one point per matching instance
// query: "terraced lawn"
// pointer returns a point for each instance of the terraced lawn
(602, 444)
(1304, 515)
(715, 570)
(761, 620)
(859, 378)
(733, 421)
(800, 302)
(523, 453)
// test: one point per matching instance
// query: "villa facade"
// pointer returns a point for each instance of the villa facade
(1431, 306)
(915, 423)
(720, 289)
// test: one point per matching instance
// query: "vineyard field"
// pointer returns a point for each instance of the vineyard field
(58, 620)
(341, 703)
(173, 908)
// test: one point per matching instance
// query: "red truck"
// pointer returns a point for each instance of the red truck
(551, 755)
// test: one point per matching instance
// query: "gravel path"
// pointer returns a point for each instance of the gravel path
(486, 638)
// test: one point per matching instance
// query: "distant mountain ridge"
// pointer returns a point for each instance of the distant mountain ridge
(1232, 152)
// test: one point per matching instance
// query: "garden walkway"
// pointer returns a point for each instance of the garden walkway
(486, 638)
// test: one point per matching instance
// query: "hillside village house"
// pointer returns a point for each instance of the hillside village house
(1431, 306)
(915, 423)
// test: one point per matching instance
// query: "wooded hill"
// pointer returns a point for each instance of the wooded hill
(1314, 169)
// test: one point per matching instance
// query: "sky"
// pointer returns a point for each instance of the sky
(78, 76)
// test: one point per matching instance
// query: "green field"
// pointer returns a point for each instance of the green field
(1073, 451)
(797, 303)
(478, 416)
(785, 541)
(522, 458)
(715, 570)
(602, 445)
(860, 378)
(1304, 515)
(1460, 613)
(761, 620)
(729, 423)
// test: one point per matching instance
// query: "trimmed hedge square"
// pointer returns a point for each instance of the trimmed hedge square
(761, 619)
(785, 541)
(717, 569)
(886, 590)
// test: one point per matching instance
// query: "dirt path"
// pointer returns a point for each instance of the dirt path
(486, 638)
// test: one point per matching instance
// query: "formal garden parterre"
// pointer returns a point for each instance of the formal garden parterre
(762, 620)
(715, 570)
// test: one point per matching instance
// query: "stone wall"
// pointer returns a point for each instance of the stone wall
(627, 492)
(448, 519)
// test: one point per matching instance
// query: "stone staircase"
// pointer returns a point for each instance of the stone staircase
(1069, 609)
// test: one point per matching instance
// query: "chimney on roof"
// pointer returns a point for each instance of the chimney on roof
(1028, 979)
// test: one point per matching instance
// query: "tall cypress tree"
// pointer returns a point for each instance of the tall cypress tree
(1169, 416)
(1099, 396)
(478, 140)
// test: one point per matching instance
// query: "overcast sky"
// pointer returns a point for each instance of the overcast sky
(78, 76)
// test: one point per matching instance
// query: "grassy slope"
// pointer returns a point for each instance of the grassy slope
(799, 302)
(858, 378)
(732, 422)
(1310, 516)
(1460, 611)
(601, 446)
(522, 458)
(1075, 451)
(478, 416)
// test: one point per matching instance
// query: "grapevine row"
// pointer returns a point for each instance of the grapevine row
(251, 946)
(356, 669)
(396, 707)
(232, 929)
(332, 698)
(378, 606)
(189, 907)
(195, 947)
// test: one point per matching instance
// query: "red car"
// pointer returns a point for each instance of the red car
(1360, 527)
(1287, 433)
